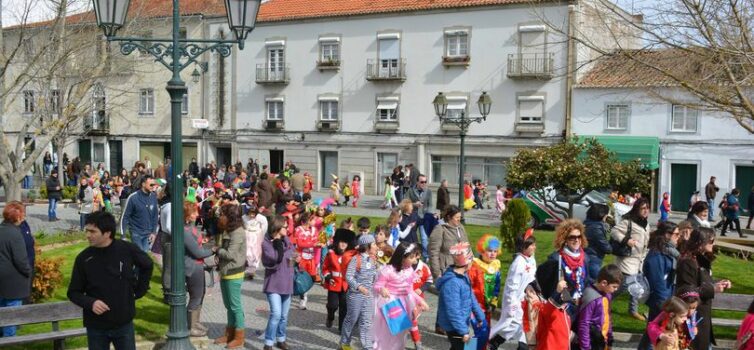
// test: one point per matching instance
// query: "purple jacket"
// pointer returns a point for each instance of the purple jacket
(278, 276)
(591, 313)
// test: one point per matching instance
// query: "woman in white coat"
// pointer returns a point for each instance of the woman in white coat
(521, 273)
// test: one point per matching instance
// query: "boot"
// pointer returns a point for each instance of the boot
(238, 339)
(281, 345)
(199, 324)
(195, 331)
(225, 338)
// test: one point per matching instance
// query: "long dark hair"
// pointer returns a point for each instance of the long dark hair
(635, 213)
(597, 212)
(403, 250)
(277, 223)
(695, 245)
(230, 217)
(658, 239)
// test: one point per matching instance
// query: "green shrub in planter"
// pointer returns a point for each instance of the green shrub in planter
(513, 222)
(70, 192)
(43, 192)
(32, 195)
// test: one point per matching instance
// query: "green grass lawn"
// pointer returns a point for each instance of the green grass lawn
(153, 316)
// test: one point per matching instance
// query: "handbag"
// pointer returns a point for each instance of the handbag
(396, 317)
(621, 248)
(471, 344)
(302, 282)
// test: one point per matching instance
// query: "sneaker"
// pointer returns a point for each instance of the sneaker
(302, 304)
(638, 316)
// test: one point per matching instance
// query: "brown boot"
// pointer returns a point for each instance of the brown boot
(238, 339)
(195, 330)
(225, 338)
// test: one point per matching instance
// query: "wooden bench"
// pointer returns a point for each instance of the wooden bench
(730, 302)
(41, 313)
(744, 252)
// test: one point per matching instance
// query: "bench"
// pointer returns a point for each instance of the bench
(730, 302)
(41, 313)
(732, 246)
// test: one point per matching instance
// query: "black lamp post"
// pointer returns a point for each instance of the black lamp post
(176, 54)
(441, 109)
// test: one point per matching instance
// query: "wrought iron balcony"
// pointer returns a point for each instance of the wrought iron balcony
(386, 69)
(267, 74)
(97, 123)
(531, 66)
(274, 125)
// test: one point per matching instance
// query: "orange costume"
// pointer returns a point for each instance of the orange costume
(423, 276)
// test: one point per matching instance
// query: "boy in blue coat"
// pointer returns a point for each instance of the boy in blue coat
(458, 307)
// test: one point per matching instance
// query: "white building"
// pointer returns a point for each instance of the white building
(346, 88)
(628, 108)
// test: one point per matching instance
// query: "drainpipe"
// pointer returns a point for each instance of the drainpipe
(569, 69)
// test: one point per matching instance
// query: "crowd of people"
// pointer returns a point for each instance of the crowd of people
(376, 274)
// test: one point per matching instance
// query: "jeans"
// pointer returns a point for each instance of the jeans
(141, 241)
(278, 321)
(51, 209)
(424, 242)
(28, 182)
(231, 292)
(48, 169)
(122, 338)
(711, 203)
(82, 220)
(9, 331)
(633, 303)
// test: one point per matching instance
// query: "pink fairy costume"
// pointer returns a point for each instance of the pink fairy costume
(400, 285)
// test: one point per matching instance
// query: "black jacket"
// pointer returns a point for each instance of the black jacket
(443, 198)
(117, 274)
(697, 272)
(15, 270)
(596, 235)
(53, 188)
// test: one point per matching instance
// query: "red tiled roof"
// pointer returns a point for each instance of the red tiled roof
(284, 10)
(645, 68)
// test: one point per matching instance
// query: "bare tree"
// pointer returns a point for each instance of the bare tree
(688, 48)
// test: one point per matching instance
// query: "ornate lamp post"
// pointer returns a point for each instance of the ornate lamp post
(441, 109)
(176, 54)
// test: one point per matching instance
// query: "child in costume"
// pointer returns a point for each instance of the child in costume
(307, 241)
(686, 332)
(423, 276)
(484, 274)
(255, 226)
(458, 309)
(499, 200)
(360, 275)
(518, 310)
(384, 250)
(673, 317)
(347, 192)
(595, 325)
(334, 277)
(396, 281)
(335, 189)
(356, 189)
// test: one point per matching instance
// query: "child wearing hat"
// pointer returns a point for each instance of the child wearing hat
(484, 274)
(360, 276)
(458, 309)
(334, 277)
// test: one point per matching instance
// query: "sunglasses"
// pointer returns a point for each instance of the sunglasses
(574, 238)
(422, 182)
(153, 185)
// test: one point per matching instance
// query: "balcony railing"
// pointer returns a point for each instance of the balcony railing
(386, 69)
(328, 64)
(97, 124)
(534, 65)
(267, 74)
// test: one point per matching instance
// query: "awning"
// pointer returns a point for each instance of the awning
(628, 148)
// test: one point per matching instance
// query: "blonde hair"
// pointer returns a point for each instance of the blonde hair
(394, 218)
(405, 204)
(564, 229)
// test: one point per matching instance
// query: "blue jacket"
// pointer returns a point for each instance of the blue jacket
(596, 235)
(140, 214)
(659, 269)
(457, 303)
(733, 207)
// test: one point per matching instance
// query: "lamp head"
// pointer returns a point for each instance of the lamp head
(441, 105)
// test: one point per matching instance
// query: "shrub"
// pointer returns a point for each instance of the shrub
(32, 195)
(70, 192)
(514, 222)
(43, 192)
(47, 277)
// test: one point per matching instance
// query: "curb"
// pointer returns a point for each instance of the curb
(199, 343)
(621, 337)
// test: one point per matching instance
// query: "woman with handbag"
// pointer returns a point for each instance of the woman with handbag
(231, 253)
(630, 238)
(278, 258)
(695, 270)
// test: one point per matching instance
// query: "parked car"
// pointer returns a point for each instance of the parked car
(548, 214)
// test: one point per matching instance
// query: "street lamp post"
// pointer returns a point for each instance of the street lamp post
(463, 122)
(176, 54)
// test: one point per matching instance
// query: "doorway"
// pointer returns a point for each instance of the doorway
(222, 155)
(276, 161)
(116, 156)
(386, 162)
(85, 152)
(744, 183)
(329, 165)
(683, 182)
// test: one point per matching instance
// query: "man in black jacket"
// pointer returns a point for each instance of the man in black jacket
(107, 278)
(53, 195)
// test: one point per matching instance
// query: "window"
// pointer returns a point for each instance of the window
(389, 52)
(684, 119)
(182, 33)
(55, 101)
(29, 103)
(456, 43)
(617, 117)
(328, 109)
(185, 103)
(274, 109)
(329, 50)
(146, 101)
(532, 40)
(99, 152)
(456, 107)
(531, 109)
(387, 109)
(490, 170)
